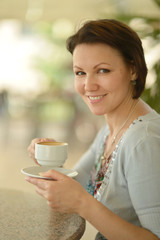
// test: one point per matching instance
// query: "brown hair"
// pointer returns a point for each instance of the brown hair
(119, 36)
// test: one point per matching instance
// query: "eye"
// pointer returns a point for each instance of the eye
(79, 73)
(103, 70)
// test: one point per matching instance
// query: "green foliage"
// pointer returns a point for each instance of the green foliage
(152, 95)
(56, 74)
(57, 67)
(57, 110)
(151, 30)
(157, 2)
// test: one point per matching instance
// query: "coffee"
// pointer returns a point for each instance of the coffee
(53, 143)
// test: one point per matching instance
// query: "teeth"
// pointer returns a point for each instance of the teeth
(95, 98)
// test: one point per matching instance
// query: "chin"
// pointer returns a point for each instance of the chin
(97, 112)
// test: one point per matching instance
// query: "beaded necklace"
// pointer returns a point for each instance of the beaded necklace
(104, 156)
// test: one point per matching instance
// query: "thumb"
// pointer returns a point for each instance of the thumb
(47, 140)
(53, 174)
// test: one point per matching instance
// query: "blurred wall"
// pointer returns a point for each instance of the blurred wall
(37, 96)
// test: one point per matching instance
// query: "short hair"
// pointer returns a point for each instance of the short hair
(119, 36)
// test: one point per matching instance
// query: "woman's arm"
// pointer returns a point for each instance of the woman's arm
(66, 195)
(109, 224)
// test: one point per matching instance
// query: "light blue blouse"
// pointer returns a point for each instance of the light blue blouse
(131, 186)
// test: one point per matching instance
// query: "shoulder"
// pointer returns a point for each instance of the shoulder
(143, 129)
(140, 147)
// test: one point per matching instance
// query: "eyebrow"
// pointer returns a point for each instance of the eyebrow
(94, 66)
(77, 67)
(101, 64)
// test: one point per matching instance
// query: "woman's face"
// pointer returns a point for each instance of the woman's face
(101, 77)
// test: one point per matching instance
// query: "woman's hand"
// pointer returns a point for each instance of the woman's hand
(63, 194)
(31, 147)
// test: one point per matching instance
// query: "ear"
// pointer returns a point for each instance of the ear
(134, 74)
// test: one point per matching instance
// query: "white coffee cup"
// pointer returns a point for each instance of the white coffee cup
(52, 154)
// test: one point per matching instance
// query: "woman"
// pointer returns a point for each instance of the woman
(121, 170)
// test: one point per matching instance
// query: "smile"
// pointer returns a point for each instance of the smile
(96, 97)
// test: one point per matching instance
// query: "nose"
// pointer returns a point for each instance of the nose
(90, 83)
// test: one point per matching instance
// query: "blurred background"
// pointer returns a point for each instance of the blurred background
(37, 97)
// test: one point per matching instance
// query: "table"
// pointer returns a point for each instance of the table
(26, 216)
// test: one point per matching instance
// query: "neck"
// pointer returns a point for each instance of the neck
(123, 115)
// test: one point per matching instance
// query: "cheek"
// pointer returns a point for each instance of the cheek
(122, 89)
(78, 87)
(119, 82)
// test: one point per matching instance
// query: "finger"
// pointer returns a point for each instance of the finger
(40, 183)
(53, 174)
(32, 155)
(47, 140)
(35, 160)
(40, 191)
(32, 144)
(31, 147)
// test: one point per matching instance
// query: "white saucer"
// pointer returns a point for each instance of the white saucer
(35, 170)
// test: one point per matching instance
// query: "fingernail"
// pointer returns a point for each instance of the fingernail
(41, 173)
(27, 179)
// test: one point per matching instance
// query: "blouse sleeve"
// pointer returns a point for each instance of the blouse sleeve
(87, 161)
(143, 179)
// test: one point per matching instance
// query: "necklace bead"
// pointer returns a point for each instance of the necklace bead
(114, 139)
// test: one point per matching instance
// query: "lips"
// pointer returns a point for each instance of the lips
(96, 98)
